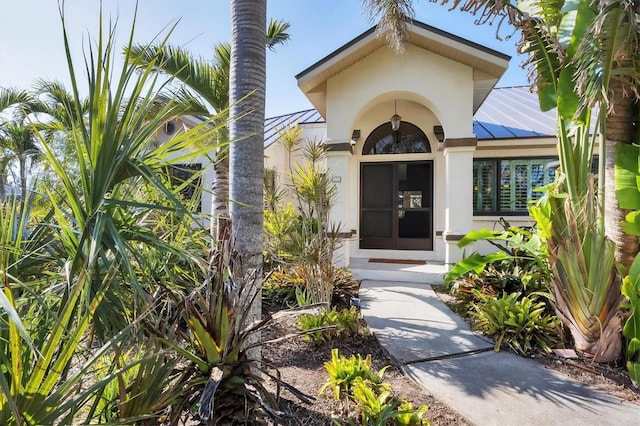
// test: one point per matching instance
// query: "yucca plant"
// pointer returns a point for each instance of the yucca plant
(114, 156)
(75, 277)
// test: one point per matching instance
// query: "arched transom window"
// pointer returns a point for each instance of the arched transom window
(406, 140)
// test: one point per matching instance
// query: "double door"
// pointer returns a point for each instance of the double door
(396, 205)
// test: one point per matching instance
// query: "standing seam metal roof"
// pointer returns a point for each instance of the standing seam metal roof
(507, 113)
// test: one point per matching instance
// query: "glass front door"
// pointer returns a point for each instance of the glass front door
(396, 205)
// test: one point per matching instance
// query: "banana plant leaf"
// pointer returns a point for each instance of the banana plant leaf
(628, 177)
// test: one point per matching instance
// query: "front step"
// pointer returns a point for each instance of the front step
(430, 273)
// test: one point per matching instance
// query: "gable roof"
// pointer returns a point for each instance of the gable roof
(488, 64)
(507, 113)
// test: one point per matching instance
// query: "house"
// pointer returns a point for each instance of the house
(421, 147)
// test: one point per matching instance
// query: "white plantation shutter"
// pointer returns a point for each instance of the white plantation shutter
(517, 182)
(484, 181)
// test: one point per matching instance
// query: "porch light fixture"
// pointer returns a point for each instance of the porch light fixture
(439, 132)
(395, 118)
(355, 135)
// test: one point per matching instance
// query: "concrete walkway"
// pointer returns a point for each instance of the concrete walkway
(440, 352)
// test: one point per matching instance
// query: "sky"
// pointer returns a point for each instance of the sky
(31, 46)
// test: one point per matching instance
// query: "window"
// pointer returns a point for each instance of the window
(189, 178)
(407, 139)
(506, 186)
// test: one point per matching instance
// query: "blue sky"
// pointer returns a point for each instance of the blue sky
(31, 38)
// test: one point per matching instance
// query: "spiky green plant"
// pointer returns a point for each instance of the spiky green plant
(75, 273)
(343, 373)
(222, 378)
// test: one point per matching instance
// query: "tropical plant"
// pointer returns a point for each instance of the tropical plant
(17, 137)
(71, 275)
(375, 406)
(380, 408)
(343, 373)
(407, 415)
(330, 324)
(631, 329)
(280, 227)
(519, 323)
(628, 193)
(307, 240)
(221, 375)
(521, 250)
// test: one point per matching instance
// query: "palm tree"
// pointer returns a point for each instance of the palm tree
(17, 139)
(207, 84)
(247, 84)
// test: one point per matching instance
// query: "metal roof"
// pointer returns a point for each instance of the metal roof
(507, 113)
(513, 112)
(275, 124)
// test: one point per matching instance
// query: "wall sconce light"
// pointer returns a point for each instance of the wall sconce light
(395, 118)
(354, 137)
(439, 132)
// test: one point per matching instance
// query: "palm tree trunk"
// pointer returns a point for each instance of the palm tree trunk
(23, 175)
(3, 189)
(246, 128)
(220, 209)
(619, 129)
(247, 82)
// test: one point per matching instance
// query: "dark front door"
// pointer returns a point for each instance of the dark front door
(396, 205)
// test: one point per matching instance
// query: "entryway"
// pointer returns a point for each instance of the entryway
(396, 205)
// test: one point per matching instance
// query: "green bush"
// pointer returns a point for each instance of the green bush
(519, 323)
(380, 408)
(521, 265)
(334, 323)
(343, 373)
(353, 379)
(286, 287)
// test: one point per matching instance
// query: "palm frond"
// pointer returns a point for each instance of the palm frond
(277, 33)
(609, 50)
(392, 17)
(198, 74)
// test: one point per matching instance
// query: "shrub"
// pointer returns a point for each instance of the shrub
(520, 265)
(344, 372)
(381, 408)
(288, 286)
(333, 323)
(521, 324)
(353, 379)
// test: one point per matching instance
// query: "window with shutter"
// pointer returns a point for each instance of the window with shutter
(507, 186)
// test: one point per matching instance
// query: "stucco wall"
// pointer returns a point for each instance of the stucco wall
(443, 86)
(276, 156)
(180, 126)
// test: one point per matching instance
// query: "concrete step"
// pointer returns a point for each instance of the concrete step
(429, 273)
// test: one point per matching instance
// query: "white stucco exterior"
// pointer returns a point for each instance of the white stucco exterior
(440, 81)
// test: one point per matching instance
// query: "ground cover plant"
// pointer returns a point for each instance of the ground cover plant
(506, 294)
(352, 381)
